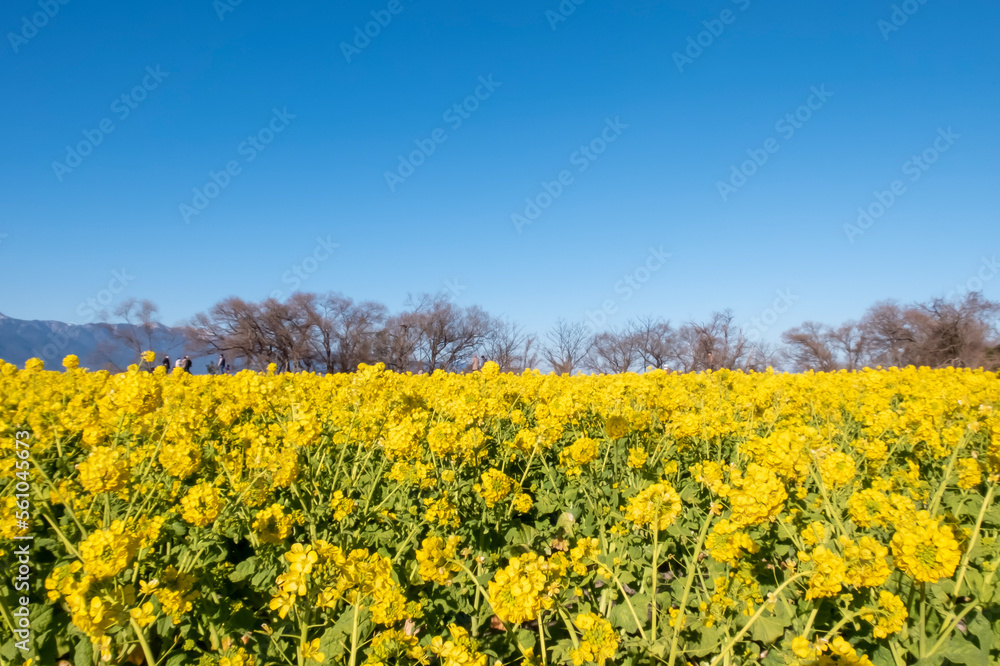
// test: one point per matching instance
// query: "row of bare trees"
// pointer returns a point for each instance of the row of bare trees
(960, 332)
(333, 333)
(650, 342)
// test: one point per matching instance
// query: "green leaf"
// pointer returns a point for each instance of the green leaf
(980, 628)
(767, 630)
(83, 655)
(244, 569)
(332, 644)
(261, 576)
(178, 659)
(621, 617)
(960, 651)
(882, 656)
(709, 643)
(9, 650)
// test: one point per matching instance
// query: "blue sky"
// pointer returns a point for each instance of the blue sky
(226, 76)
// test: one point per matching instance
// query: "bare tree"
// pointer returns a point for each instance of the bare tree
(137, 329)
(712, 345)
(345, 331)
(655, 342)
(849, 343)
(510, 346)
(808, 347)
(395, 344)
(446, 335)
(892, 333)
(567, 347)
(613, 352)
(959, 333)
(233, 327)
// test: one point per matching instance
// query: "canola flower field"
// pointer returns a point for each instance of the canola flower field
(377, 518)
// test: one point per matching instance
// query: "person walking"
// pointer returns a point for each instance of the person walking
(166, 363)
(222, 364)
(187, 365)
(179, 363)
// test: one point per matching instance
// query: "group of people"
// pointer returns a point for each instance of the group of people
(182, 363)
(185, 363)
(477, 363)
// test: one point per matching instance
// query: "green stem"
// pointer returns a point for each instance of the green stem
(142, 642)
(625, 596)
(354, 637)
(541, 637)
(692, 570)
(973, 540)
(947, 474)
(569, 627)
(923, 619)
(760, 611)
(656, 553)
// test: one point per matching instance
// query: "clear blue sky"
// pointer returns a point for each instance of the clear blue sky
(656, 184)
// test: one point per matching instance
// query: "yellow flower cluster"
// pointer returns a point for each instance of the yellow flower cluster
(104, 471)
(580, 452)
(436, 559)
(759, 498)
(656, 507)
(202, 504)
(828, 575)
(108, 552)
(925, 550)
(837, 469)
(888, 617)
(867, 565)
(459, 650)
(273, 525)
(727, 543)
(525, 588)
(495, 486)
(598, 643)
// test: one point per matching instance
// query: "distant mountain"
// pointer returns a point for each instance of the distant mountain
(99, 346)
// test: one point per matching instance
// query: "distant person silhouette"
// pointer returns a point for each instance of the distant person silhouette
(222, 364)
(187, 365)
(166, 363)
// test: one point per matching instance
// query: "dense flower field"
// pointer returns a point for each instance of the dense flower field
(481, 519)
